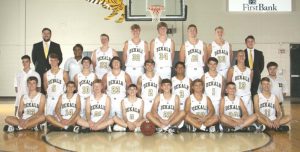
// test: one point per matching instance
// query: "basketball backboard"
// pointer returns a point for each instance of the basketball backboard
(137, 10)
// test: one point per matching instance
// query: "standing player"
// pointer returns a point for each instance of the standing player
(267, 108)
(148, 85)
(54, 83)
(242, 77)
(135, 52)
(200, 112)
(83, 81)
(193, 53)
(102, 56)
(132, 109)
(162, 51)
(181, 84)
(115, 83)
(165, 112)
(20, 82)
(221, 50)
(31, 109)
(214, 83)
(67, 109)
(233, 113)
(98, 106)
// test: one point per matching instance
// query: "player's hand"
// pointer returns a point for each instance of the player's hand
(22, 123)
(64, 122)
(130, 125)
(276, 123)
(166, 122)
(91, 124)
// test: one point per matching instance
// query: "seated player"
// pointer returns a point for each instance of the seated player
(132, 111)
(268, 110)
(97, 110)
(165, 112)
(200, 112)
(31, 109)
(67, 110)
(233, 113)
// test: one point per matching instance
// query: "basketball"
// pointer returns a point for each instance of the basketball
(148, 128)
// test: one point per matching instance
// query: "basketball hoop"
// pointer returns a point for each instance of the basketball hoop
(155, 11)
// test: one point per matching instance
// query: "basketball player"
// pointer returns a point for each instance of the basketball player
(83, 81)
(242, 77)
(148, 85)
(67, 110)
(194, 53)
(165, 112)
(267, 108)
(135, 52)
(101, 57)
(181, 84)
(54, 83)
(221, 50)
(200, 112)
(132, 109)
(98, 107)
(233, 113)
(162, 51)
(214, 83)
(115, 83)
(31, 109)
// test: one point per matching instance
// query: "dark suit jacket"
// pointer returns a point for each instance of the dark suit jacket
(258, 67)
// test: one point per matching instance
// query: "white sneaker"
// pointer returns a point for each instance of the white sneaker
(9, 128)
(221, 128)
(118, 128)
(109, 129)
(212, 129)
(137, 129)
(193, 129)
(76, 129)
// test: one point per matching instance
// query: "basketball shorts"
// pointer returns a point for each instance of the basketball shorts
(50, 105)
(82, 107)
(116, 109)
(216, 104)
(194, 72)
(223, 72)
(164, 72)
(248, 103)
(147, 107)
(134, 73)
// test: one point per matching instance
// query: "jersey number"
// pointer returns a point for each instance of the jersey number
(115, 89)
(163, 56)
(150, 92)
(97, 113)
(69, 112)
(221, 59)
(194, 58)
(85, 89)
(103, 65)
(30, 112)
(242, 85)
(53, 88)
(267, 112)
(167, 114)
(136, 57)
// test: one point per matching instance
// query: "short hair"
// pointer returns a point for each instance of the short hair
(86, 58)
(179, 63)
(54, 56)
(194, 82)
(32, 78)
(135, 26)
(25, 57)
(219, 28)
(272, 64)
(149, 61)
(70, 82)
(240, 51)
(249, 37)
(97, 81)
(162, 24)
(192, 25)
(79, 46)
(115, 58)
(230, 83)
(103, 34)
(265, 79)
(212, 59)
(166, 81)
(132, 86)
(46, 29)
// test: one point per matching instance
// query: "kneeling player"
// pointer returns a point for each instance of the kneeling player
(132, 111)
(200, 112)
(233, 113)
(67, 110)
(165, 111)
(31, 109)
(97, 110)
(268, 110)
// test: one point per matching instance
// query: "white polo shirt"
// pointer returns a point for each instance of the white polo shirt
(73, 67)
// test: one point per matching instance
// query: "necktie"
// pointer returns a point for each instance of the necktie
(250, 59)
(46, 50)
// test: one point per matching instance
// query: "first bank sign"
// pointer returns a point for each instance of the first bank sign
(259, 5)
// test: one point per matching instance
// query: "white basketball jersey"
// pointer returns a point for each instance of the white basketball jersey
(149, 87)
(242, 81)
(85, 84)
(162, 53)
(267, 106)
(232, 108)
(132, 109)
(222, 53)
(102, 61)
(199, 107)
(182, 89)
(116, 85)
(68, 106)
(97, 107)
(56, 83)
(213, 87)
(135, 54)
(166, 107)
(194, 54)
(31, 106)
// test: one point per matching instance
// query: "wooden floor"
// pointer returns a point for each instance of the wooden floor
(65, 141)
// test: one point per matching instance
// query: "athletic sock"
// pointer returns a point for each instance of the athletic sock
(202, 127)
(66, 127)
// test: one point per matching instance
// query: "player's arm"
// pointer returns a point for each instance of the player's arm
(127, 80)
(94, 60)
(66, 66)
(223, 86)
(45, 82)
(21, 107)
(16, 84)
(104, 82)
(209, 50)
(77, 111)
(230, 53)
(151, 49)
(221, 108)
(57, 108)
(88, 109)
(278, 110)
(39, 85)
(211, 109)
(182, 53)
(139, 86)
(76, 81)
(251, 76)
(124, 55)
(41, 105)
(243, 109)
(123, 111)
(154, 108)
(230, 74)
(114, 52)
(176, 110)
(66, 77)
(205, 56)
(141, 112)
(172, 51)
(146, 49)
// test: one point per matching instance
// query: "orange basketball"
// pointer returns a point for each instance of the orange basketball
(148, 128)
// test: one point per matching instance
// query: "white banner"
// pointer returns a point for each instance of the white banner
(259, 5)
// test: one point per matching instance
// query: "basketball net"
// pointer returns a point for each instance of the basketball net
(155, 11)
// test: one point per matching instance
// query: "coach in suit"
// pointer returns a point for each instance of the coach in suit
(255, 61)
(40, 53)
